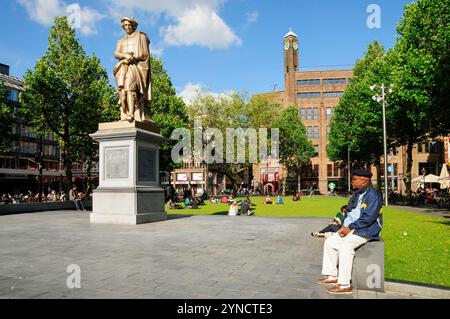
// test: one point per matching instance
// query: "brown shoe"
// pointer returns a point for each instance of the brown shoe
(337, 290)
(326, 281)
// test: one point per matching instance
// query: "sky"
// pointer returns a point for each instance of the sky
(215, 46)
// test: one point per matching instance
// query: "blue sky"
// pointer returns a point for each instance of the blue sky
(213, 45)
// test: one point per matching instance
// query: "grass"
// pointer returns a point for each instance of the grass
(416, 245)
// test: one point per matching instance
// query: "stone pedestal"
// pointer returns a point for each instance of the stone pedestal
(129, 191)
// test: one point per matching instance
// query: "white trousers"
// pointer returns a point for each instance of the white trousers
(337, 249)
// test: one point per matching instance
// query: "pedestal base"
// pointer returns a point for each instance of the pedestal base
(128, 206)
(129, 191)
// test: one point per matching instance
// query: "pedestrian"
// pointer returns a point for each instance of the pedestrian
(363, 223)
(75, 198)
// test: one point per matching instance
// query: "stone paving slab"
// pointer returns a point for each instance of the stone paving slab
(187, 257)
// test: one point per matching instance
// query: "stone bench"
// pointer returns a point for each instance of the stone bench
(368, 267)
(10, 209)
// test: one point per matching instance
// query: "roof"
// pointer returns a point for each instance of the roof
(12, 82)
(290, 33)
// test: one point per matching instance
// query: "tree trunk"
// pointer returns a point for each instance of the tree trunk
(378, 167)
(68, 169)
(299, 184)
(284, 183)
(409, 163)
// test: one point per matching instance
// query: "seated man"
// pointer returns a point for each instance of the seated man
(362, 223)
(245, 208)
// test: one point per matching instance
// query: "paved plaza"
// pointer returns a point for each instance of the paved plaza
(183, 257)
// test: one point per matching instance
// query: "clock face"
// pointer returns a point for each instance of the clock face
(286, 46)
(295, 46)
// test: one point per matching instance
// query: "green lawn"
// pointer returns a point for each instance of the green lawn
(416, 245)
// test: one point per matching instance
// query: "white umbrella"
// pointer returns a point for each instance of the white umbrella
(444, 178)
(430, 178)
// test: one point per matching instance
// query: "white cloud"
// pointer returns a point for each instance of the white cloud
(191, 91)
(45, 11)
(200, 26)
(196, 22)
(252, 17)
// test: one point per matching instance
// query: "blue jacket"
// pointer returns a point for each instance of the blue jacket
(370, 222)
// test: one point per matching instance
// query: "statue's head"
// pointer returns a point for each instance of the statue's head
(129, 24)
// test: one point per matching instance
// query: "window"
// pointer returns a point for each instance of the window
(435, 147)
(316, 171)
(349, 81)
(316, 149)
(309, 132)
(303, 114)
(308, 95)
(316, 132)
(308, 82)
(336, 170)
(419, 148)
(13, 95)
(316, 113)
(334, 81)
(330, 170)
(328, 130)
(329, 113)
(309, 114)
(333, 94)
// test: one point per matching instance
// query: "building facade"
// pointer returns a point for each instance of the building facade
(316, 94)
(19, 168)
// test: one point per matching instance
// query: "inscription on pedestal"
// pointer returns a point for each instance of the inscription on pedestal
(116, 162)
(147, 165)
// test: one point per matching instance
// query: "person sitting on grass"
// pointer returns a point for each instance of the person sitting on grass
(267, 200)
(245, 208)
(224, 200)
(233, 211)
(172, 205)
(333, 226)
(193, 203)
(280, 200)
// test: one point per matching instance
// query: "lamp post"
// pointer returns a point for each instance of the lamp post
(382, 98)
(424, 172)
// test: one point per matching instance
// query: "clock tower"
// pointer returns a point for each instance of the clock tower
(290, 66)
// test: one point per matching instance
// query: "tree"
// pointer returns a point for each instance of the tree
(421, 76)
(167, 110)
(356, 126)
(296, 149)
(231, 112)
(67, 93)
(6, 120)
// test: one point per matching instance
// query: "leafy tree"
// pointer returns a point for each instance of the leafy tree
(66, 93)
(167, 110)
(296, 149)
(234, 111)
(6, 120)
(421, 76)
(357, 122)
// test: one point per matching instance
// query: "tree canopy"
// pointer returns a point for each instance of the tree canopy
(67, 93)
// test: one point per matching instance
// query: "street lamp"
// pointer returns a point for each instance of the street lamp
(382, 98)
(424, 172)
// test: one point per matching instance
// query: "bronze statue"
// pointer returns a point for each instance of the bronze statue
(132, 72)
